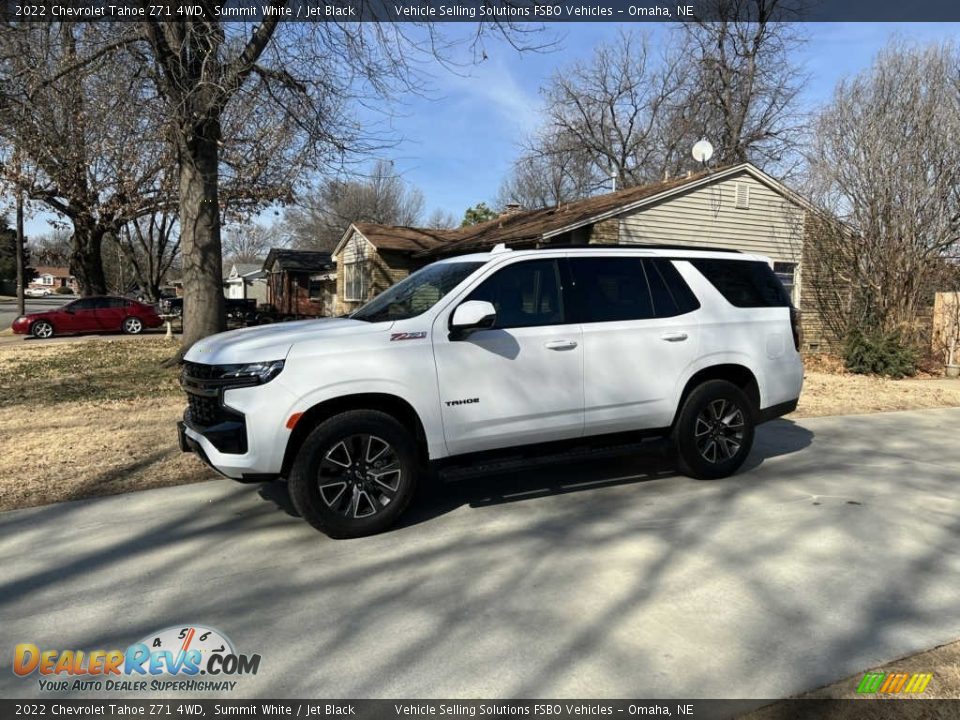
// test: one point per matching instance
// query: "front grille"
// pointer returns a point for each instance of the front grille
(207, 411)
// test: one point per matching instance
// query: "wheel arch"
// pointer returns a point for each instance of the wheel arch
(392, 405)
(740, 375)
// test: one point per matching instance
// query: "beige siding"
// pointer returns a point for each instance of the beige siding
(708, 217)
(356, 247)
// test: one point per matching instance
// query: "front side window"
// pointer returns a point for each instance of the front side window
(525, 294)
(417, 293)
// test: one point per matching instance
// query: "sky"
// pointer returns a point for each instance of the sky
(457, 141)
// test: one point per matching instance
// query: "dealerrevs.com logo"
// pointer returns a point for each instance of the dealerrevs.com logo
(179, 658)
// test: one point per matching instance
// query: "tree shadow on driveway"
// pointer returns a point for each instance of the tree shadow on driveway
(437, 497)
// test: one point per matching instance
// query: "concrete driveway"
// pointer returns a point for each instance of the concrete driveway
(836, 550)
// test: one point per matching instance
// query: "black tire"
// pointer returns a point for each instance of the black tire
(42, 329)
(328, 466)
(132, 326)
(708, 446)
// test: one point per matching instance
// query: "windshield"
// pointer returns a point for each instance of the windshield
(417, 293)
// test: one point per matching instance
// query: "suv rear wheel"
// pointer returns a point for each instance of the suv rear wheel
(714, 430)
(354, 474)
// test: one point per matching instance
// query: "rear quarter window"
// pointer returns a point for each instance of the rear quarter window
(744, 283)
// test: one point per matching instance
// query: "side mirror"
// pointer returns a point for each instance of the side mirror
(471, 315)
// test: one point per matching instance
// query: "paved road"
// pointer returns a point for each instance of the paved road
(837, 550)
(8, 308)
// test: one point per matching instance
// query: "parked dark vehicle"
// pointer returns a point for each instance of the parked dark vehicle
(90, 314)
(238, 309)
(171, 306)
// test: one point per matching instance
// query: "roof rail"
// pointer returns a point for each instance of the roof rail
(640, 246)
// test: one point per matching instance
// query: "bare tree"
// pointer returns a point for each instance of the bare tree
(53, 248)
(441, 220)
(741, 86)
(324, 213)
(66, 140)
(886, 161)
(150, 245)
(610, 109)
(551, 171)
(249, 242)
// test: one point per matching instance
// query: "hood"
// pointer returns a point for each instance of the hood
(264, 343)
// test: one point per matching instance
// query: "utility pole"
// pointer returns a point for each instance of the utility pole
(21, 270)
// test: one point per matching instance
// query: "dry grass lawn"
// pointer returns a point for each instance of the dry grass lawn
(89, 418)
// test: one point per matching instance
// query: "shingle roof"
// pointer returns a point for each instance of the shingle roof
(298, 260)
(521, 226)
(245, 268)
(534, 224)
(53, 270)
(400, 237)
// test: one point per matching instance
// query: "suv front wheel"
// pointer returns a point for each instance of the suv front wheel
(354, 474)
(714, 430)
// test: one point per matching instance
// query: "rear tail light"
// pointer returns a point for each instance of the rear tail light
(795, 327)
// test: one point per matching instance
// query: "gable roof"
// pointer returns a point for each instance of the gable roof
(298, 260)
(246, 268)
(535, 225)
(542, 224)
(53, 270)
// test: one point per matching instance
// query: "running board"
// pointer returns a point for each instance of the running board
(456, 472)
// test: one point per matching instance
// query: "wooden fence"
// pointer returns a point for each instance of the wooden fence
(946, 326)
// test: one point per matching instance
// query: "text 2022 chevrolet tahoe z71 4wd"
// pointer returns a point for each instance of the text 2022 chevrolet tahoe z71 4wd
(485, 352)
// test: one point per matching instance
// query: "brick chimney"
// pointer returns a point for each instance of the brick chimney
(511, 209)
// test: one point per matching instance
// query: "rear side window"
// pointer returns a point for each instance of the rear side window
(625, 288)
(744, 283)
(671, 294)
(611, 289)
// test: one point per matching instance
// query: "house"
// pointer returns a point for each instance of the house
(301, 283)
(50, 277)
(738, 207)
(246, 281)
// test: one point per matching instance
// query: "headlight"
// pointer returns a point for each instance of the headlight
(262, 372)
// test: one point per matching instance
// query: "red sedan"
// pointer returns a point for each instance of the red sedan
(89, 314)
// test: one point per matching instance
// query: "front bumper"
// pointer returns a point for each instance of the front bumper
(239, 431)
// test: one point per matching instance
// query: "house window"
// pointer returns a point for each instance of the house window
(316, 287)
(46, 279)
(787, 274)
(355, 281)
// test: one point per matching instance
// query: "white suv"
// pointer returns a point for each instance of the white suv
(481, 353)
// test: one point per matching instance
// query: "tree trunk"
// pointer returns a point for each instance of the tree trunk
(203, 307)
(86, 262)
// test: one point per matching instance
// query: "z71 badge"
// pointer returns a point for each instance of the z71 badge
(408, 336)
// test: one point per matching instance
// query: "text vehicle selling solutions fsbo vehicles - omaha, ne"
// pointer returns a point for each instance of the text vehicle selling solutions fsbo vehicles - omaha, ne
(505, 350)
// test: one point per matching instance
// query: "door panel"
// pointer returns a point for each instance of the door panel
(83, 318)
(633, 359)
(522, 380)
(111, 313)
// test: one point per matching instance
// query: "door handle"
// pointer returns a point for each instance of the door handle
(560, 345)
(674, 336)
